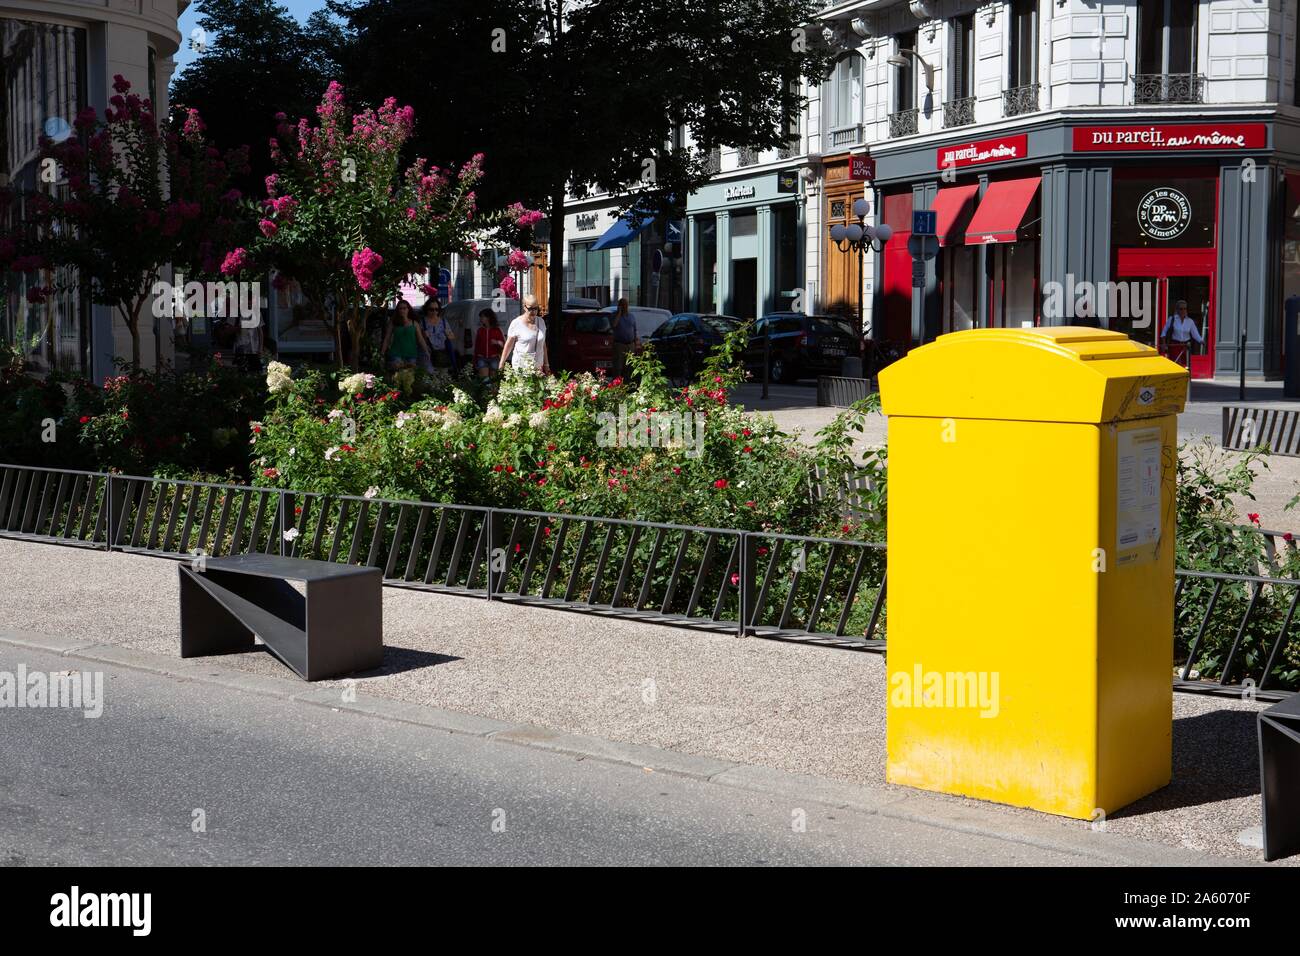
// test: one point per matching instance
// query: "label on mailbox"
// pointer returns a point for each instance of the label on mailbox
(1137, 504)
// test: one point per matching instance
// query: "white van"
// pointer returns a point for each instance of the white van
(461, 316)
(647, 319)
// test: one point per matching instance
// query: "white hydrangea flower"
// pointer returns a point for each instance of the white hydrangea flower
(537, 419)
(512, 421)
(357, 383)
(450, 418)
(494, 415)
(330, 453)
(459, 397)
(335, 413)
(371, 492)
(278, 377)
(402, 419)
(291, 534)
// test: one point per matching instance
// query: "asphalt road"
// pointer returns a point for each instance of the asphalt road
(286, 782)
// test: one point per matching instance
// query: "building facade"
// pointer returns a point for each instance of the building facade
(1087, 161)
(59, 57)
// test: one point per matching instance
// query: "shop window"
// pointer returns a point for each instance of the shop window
(1168, 212)
(744, 223)
(785, 220)
(590, 272)
(707, 276)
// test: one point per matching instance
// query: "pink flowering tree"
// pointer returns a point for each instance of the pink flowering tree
(343, 218)
(123, 199)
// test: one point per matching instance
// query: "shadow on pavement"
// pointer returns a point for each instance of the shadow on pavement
(1216, 757)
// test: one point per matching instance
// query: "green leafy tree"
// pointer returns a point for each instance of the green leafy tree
(121, 201)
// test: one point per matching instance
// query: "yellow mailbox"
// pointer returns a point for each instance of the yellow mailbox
(1031, 567)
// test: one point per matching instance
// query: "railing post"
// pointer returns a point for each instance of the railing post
(746, 583)
(108, 524)
(491, 555)
(280, 522)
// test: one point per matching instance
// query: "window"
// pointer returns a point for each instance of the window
(590, 272)
(905, 76)
(846, 92)
(1022, 56)
(961, 60)
(1166, 36)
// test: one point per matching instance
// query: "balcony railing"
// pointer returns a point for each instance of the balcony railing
(715, 161)
(846, 135)
(790, 149)
(1020, 100)
(1168, 88)
(746, 156)
(904, 122)
(959, 112)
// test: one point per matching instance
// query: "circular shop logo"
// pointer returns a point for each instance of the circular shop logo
(1164, 213)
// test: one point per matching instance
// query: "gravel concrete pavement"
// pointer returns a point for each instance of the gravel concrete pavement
(799, 708)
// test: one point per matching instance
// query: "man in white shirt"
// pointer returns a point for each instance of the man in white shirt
(1179, 331)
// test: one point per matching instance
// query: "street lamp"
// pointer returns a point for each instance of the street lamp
(899, 59)
(858, 237)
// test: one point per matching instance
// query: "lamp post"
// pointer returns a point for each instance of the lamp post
(858, 237)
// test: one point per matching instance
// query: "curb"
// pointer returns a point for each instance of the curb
(889, 802)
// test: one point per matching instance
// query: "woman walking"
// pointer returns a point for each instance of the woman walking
(403, 341)
(488, 343)
(442, 350)
(525, 346)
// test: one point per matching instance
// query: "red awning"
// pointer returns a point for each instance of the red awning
(952, 208)
(1001, 211)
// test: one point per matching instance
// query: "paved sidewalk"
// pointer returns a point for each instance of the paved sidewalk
(796, 708)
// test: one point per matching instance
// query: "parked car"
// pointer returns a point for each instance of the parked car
(586, 341)
(461, 316)
(802, 346)
(648, 320)
(687, 339)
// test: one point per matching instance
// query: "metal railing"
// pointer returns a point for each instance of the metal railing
(904, 122)
(1239, 630)
(1020, 100)
(959, 112)
(1168, 88)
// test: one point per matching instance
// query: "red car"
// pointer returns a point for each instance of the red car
(586, 341)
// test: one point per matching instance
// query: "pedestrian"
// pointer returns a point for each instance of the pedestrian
(626, 338)
(442, 350)
(488, 343)
(1179, 331)
(525, 346)
(403, 341)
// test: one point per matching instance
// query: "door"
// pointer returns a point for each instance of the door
(1152, 283)
(744, 288)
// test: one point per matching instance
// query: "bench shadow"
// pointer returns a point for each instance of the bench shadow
(398, 660)
(1216, 757)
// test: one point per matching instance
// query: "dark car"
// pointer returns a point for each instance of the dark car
(801, 346)
(687, 339)
(586, 341)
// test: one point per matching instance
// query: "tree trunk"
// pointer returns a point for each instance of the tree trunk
(132, 321)
(555, 267)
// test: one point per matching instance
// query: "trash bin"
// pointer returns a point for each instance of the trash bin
(1031, 567)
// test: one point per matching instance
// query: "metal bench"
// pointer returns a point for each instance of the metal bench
(335, 628)
(1279, 771)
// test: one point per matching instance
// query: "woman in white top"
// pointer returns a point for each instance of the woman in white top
(525, 346)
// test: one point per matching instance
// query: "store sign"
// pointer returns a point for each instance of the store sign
(740, 192)
(1164, 214)
(787, 181)
(1178, 137)
(862, 169)
(587, 221)
(985, 151)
